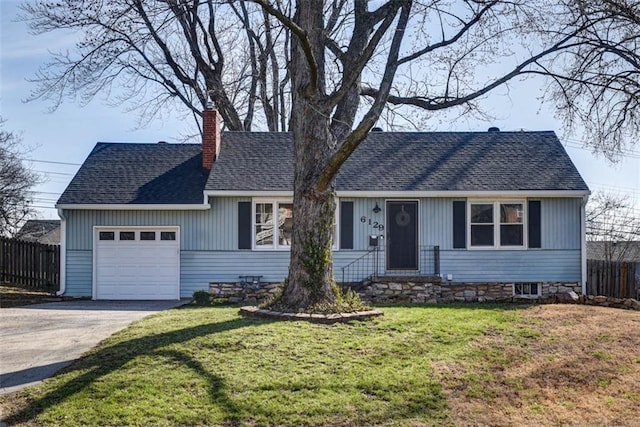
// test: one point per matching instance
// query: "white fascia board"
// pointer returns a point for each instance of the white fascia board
(248, 193)
(411, 194)
(125, 207)
(470, 194)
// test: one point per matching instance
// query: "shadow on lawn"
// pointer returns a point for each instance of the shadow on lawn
(112, 358)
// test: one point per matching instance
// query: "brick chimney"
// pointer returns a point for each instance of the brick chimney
(210, 136)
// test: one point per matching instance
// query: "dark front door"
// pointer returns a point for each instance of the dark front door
(402, 235)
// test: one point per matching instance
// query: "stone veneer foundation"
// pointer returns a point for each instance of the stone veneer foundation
(400, 290)
(432, 290)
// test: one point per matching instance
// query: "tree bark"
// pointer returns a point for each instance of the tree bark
(310, 276)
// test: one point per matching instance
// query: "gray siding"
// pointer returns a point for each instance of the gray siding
(363, 209)
(212, 229)
(560, 223)
(198, 268)
(79, 272)
(216, 228)
(209, 244)
(511, 266)
(201, 267)
(436, 219)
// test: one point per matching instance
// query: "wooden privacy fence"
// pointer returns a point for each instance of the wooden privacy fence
(29, 264)
(612, 279)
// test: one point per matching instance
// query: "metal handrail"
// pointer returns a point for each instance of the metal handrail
(367, 266)
(358, 261)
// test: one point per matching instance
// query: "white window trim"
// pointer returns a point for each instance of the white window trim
(274, 203)
(275, 246)
(496, 224)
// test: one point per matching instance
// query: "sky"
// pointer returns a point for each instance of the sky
(56, 143)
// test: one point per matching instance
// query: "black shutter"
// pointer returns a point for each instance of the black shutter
(459, 224)
(346, 225)
(535, 233)
(244, 225)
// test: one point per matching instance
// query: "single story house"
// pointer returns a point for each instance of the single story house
(160, 221)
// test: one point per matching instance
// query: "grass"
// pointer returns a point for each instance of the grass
(420, 365)
(16, 295)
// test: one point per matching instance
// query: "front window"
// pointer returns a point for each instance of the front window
(482, 224)
(496, 224)
(273, 224)
(264, 224)
(285, 224)
(511, 224)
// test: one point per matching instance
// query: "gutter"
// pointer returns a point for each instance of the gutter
(63, 253)
(408, 193)
(583, 242)
(131, 207)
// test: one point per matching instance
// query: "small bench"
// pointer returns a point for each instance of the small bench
(250, 280)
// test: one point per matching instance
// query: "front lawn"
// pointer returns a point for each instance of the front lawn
(422, 365)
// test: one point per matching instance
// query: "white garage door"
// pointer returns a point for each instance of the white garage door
(137, 264)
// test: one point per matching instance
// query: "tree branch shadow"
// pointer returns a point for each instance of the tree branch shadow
(217, 387)
(111, 358)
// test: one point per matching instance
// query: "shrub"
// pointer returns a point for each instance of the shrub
(202, 298)
(345, 302)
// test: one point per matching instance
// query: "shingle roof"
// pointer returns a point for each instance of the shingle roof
(116, 173)
(40, 230)
(407, 161)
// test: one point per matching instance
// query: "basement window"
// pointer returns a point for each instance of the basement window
(526, 289)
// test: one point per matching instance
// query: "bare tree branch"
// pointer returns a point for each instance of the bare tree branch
(302, 38)
(16, 182)
(360, 132)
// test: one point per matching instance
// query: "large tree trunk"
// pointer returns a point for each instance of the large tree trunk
(311, 269)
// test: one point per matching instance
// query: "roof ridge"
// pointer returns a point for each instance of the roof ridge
(403, 132)
(158, 143)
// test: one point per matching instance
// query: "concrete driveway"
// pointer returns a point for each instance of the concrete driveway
(38, 340)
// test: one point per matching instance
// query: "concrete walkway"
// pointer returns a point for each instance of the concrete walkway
(38, 340)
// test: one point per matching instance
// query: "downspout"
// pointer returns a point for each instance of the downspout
(63, 253)
(583, 242)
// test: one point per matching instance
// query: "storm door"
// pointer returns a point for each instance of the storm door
(402, 235)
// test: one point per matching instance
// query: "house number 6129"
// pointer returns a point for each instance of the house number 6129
(374, 224)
